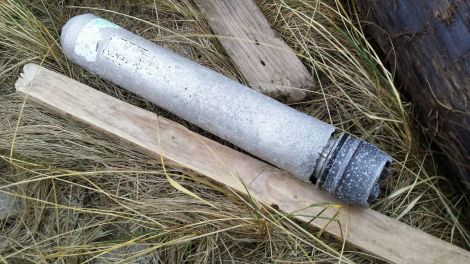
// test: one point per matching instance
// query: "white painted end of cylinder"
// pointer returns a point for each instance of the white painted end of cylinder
(85, 44)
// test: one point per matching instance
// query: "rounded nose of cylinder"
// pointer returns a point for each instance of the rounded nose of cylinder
(354, 170)
(70, 31)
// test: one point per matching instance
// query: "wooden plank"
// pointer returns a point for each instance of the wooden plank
(363, 228)
(267, 63)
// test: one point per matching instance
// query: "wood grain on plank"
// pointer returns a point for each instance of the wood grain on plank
(155, 136)
(267, 63)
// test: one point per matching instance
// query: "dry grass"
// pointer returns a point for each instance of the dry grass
(84, 196)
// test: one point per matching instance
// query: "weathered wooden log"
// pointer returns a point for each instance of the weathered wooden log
(431, 44)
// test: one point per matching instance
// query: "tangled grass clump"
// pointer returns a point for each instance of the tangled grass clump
(87, 198)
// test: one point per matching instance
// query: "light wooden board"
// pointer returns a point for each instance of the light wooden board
(267, 63)
(363, 228)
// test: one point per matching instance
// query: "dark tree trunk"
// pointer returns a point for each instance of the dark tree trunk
(431, 42)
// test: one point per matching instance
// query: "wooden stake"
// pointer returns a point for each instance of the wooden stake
(364, 228)
(267, 63)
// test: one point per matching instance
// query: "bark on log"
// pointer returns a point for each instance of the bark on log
(431, 42)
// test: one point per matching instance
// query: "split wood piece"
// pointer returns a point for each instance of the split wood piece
(364, 228)
(267, 63)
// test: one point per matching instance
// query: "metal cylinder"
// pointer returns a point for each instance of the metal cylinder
(291, 140)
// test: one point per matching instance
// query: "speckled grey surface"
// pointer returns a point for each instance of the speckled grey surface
(268, 129)
(122, 255)
(9, 206)
(354, 171)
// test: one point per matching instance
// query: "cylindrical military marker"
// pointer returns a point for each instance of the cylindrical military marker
(345, 166)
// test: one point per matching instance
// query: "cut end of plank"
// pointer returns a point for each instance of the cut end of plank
(286, 89)
(30, 71)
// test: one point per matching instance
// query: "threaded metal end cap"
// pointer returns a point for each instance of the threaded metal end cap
(352, 170)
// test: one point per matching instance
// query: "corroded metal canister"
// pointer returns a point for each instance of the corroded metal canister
(308, 148)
